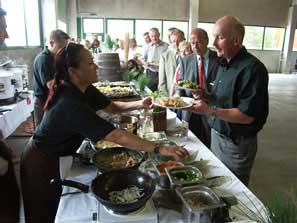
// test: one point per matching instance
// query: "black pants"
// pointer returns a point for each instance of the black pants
(153, 79)
(41, 199)
(199, 126)
(38, 110)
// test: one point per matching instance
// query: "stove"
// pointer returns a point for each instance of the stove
(147, 214)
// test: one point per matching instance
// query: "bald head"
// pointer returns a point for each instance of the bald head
(233, 26)
(228, 32)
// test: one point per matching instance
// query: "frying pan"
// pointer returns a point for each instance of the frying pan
(99, 157)
(116, 180)
(106, 154)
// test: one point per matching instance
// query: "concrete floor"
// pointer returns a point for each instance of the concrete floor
(275, 167)
(276, 161)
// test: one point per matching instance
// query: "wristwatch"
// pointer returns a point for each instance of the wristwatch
(214, 111)
(157, 148)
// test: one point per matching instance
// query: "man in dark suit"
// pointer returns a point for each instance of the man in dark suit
(201, 68)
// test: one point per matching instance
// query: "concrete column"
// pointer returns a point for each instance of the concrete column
(193, 14)
(287, 59)
(71, 18)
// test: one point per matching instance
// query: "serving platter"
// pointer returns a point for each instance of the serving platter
(116, 89)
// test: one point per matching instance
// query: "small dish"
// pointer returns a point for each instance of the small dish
(184, 175)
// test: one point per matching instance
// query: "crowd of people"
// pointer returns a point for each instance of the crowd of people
(228, 111)
(232, 103)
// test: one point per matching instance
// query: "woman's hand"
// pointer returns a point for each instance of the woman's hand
(147, 103)
(176, 152)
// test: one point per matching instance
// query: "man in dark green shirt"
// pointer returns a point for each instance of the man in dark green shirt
(239, 106)
(43, 71)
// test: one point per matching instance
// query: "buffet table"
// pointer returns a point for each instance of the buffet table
(16, 114)
(81, 207)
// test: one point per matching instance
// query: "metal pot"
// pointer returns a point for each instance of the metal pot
(7, 89)
(116, 180)
(126, 122)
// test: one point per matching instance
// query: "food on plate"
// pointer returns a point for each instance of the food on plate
(103, 144)
(172, 102)
(128, 195)
(115, 91)
(161, 166)
(117, 161)
(187, 84)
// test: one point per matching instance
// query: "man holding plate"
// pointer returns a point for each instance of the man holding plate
(199, 68)
(238, 108)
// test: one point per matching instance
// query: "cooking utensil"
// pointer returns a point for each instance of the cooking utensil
(101, 156)
(98, 157)
(126, 122)
(116, 180)
(201, 204)
(184, 176)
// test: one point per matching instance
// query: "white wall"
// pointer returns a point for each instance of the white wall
(251, 12)
(158, 9)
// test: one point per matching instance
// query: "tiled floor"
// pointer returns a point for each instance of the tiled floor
(275, 168)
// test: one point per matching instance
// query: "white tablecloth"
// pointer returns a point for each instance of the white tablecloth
(19, 113)
(80, 207)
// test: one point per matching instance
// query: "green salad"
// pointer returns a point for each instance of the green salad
(185, 176)
(187, 84)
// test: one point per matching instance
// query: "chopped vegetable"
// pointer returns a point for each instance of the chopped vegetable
(185, 176)
(129, 195)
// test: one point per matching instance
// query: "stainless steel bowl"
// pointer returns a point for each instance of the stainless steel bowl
(126, 122)
(201, 205)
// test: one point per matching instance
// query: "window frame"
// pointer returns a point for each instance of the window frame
(41, 44)
(83, 34)
(263, 36)
(105, 28)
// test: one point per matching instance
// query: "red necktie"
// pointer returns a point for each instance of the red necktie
(201, 73)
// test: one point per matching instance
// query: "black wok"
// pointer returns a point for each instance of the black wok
(102, 156)
(116, 180)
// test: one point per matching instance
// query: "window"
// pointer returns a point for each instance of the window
(142, 26)
(93, 26)
(183, 26)
(208, 27)
(22, 22)
(253, 38)
(117, 28)
(274, 38)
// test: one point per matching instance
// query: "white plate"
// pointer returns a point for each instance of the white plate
(187, 101)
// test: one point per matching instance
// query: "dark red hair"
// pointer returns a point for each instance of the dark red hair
(66, 57)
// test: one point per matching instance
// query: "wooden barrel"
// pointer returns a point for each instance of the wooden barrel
(109, 67)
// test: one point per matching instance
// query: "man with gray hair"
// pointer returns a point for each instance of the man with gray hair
(3, 26)
(169, 61)
(43, 71)
(151, 57)
(238, 108)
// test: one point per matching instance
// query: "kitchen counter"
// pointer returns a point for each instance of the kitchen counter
(81, 207)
